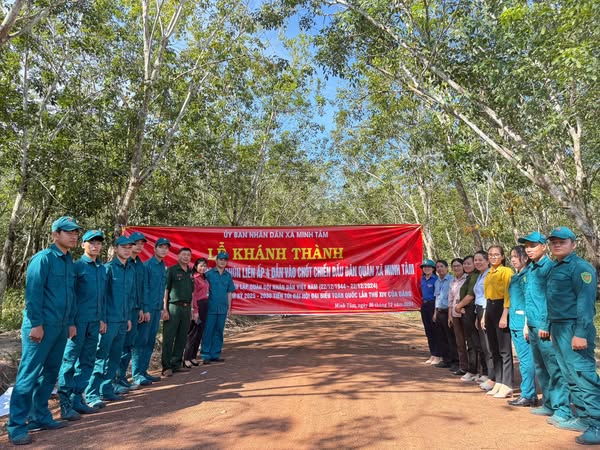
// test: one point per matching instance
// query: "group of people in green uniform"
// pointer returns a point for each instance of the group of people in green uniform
(545, 309)
(86, 322)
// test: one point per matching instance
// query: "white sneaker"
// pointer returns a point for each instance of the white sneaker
(481, 379)
(467, 377)
(429, 361)
(495, 389)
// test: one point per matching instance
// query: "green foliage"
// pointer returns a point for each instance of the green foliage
(12, 309)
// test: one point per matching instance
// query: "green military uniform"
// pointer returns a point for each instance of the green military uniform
(571, 293)
(180, 284)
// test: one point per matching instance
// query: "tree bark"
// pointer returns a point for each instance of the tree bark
(472, 221)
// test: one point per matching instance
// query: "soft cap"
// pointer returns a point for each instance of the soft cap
(137, 236)
(65, 223)
(427, 263)
(534, 236)
(123, 240)
(93, 234)
(162, 241)
(562, 233)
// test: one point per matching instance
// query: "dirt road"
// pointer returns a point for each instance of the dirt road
(347, 382)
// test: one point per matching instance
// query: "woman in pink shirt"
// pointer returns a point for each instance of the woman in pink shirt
(454, 318)
(199, 313)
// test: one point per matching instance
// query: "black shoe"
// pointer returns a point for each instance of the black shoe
(522, 401)
(459, 372)
(217, 360)
(187, 364)
(205, 362)
(194, 362)
(442, 365)
(51, 425)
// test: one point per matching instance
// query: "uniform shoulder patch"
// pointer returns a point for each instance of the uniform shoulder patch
(586, 277)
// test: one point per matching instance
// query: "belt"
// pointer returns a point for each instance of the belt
(495, 299)
(441, 309)
(181, 304)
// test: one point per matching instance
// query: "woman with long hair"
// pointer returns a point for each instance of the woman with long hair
(466, 308)
(487, 378)
(199, 313)
(495, 321)
(516, 323)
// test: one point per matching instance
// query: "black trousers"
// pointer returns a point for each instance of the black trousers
(446, 339)
(194, 335)
(427, 309)
(500, 343)
(472, 339)
(485, 356)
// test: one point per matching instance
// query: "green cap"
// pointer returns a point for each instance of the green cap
(123, 240)
(562, 233)
(162, 241)
(65, 223)
(534, 236)
(93, 234)
(427, 263)
(223, 255)
(137, 236)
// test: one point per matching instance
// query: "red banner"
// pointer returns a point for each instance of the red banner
(308, 270)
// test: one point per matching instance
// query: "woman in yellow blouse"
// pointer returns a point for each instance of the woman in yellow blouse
(495, 321)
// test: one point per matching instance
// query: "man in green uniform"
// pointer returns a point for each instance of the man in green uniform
(80, 352)
(220, 290)
(571, 292)
(139, 314)
(156, 279)
(119, 301)
(48, 320)
(555, 402)
(176, 313)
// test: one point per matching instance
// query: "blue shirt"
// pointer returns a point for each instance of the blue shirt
(219, 286)
(535, 293)
(156, 281)
(478, 290)
(516, 290)
(140, 281)
(428, 288)
(120, 290)
(571, 290)
(49, 288)
(442, 287)
(90, 284)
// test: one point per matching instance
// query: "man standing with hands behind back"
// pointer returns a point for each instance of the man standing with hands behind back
(220, 289)
(48, 320)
